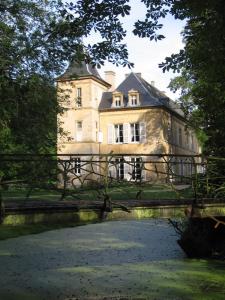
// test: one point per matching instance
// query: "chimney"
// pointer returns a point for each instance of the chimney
(153, 83)
(138, 74)
(110, 77)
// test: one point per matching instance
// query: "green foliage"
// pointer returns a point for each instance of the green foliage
(27, 94)
(39, 37)
(201, 63)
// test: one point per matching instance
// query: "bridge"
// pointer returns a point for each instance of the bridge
(94, 186)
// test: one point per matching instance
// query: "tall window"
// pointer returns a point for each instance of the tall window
(118, 133)
(127, 133)
(187, 139)
(136, 168)
(77, 166)
(79, 126)
(169, 131)
(79, 97)
(117, 101)
(119, 168)
(135, 132)
(180, 137)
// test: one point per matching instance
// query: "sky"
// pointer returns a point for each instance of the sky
(147, 55)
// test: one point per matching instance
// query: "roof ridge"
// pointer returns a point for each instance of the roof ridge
(80, 69)
(87, 66)
(142, 79)
(139, 81)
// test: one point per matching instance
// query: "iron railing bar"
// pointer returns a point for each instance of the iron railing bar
(95, 161)
(103, 155)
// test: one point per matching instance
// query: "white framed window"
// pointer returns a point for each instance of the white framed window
(127, 133)
(133, 100)
(79, 97)
(134, 132)
(117, 101)
(133, 97)
(77, 166)
(136, 163)
(138, 132)
(127, 168)
(118, 133)
(79, 126)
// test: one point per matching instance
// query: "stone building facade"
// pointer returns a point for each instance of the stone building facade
(133, 120)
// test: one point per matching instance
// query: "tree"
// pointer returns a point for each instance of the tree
(202, 61)
(26, 85)
(39, 37)
(193, 115)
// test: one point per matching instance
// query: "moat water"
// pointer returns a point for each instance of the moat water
(134, 259)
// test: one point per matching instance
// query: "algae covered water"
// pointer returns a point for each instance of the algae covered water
(110, 260)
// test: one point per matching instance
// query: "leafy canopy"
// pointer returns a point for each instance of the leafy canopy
(39, 37)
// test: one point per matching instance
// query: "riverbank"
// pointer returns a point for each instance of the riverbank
(24, 217)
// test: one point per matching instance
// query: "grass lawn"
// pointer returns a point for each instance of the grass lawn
(116, 193)
(7, 232)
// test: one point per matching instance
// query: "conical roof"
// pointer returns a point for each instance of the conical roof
(81, 69)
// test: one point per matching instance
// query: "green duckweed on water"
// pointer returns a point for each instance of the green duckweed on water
(111, 260)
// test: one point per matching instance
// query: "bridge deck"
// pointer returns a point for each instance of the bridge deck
(47, 206)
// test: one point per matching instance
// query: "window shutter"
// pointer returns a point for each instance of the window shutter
(126, 133)
(127, 168)
(112, 170)
(100, 137)
(110, 134)
(79, 136)
(142, 132)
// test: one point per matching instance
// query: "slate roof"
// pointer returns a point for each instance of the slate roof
(79, 70)
(148, 95)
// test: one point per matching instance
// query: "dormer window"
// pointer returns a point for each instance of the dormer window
(133, 98)
(117, 99)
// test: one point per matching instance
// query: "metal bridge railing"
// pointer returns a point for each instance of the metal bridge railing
(67, 173)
